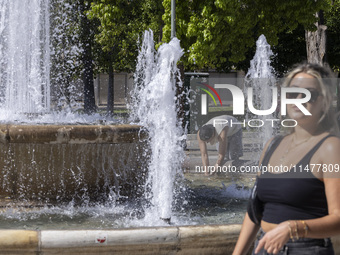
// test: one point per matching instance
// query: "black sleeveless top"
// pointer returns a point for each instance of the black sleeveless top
(293, 195)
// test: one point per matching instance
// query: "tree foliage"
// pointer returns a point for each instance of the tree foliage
(121, 23)
(333, 35)
(290, 50)
(217, 34)
(220, 33)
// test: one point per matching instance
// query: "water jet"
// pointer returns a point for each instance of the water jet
(67, 180)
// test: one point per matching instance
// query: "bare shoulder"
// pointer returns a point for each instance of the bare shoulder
(331, 146)
(199, 139)
(330, 159)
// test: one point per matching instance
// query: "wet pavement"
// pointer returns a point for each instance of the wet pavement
(223, 194)
(236, 170)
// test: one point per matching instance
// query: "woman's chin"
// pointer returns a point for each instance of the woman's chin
(297, 116)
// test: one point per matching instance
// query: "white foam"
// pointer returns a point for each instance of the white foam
(155, 107)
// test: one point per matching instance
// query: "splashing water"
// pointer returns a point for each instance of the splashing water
(31, 64)
(260, 65)
(236, 191)
(154, 105)
(40, 62)
(24, 55)
(261, 78)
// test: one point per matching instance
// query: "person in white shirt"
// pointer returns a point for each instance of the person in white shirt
(226, 134)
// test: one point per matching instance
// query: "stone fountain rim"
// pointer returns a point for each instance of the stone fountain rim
(71, 133)
(197, 239)
(213, 239)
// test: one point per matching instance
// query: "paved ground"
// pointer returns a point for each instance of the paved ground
(251, 151)
(222, 180)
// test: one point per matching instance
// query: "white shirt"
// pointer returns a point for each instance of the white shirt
(221, 122)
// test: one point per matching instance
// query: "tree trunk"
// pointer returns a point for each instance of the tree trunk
(89, 99)
(182, 102)
(181, 95)
(110, 92)
(316, 42)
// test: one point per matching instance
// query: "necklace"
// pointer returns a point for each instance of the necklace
(292, 145)
(301, 142)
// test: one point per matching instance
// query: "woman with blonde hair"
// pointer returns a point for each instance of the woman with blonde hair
(298, 210)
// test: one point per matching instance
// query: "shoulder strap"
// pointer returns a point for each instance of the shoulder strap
(271, 148)
(306, 159)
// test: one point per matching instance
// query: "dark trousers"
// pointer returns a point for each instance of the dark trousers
(234, 146)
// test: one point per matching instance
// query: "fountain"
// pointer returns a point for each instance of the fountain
(67, 180)
(261, 79)
(155, 107)
(48, 156)
(21, 72)
(62, 170)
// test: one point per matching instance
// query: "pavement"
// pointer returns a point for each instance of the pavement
(252, 147)
(230, 182)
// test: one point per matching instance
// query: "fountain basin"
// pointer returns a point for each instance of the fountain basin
(70, 134)
(212, 239)
(51, 163)
(218, 239)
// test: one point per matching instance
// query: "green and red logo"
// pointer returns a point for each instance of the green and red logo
(209, 93)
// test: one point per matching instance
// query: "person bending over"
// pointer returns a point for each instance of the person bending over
(224, 132)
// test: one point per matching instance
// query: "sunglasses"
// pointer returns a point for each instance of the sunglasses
(314, 94)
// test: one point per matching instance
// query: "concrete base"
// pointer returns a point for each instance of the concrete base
(162, 240)
(184, 240)
(53, 163)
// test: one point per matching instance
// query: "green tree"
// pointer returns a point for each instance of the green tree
(290, 49)
(333, 40)
(121, 24)
(333, 35)
(219, 33)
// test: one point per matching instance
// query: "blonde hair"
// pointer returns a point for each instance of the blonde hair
(323, 75)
